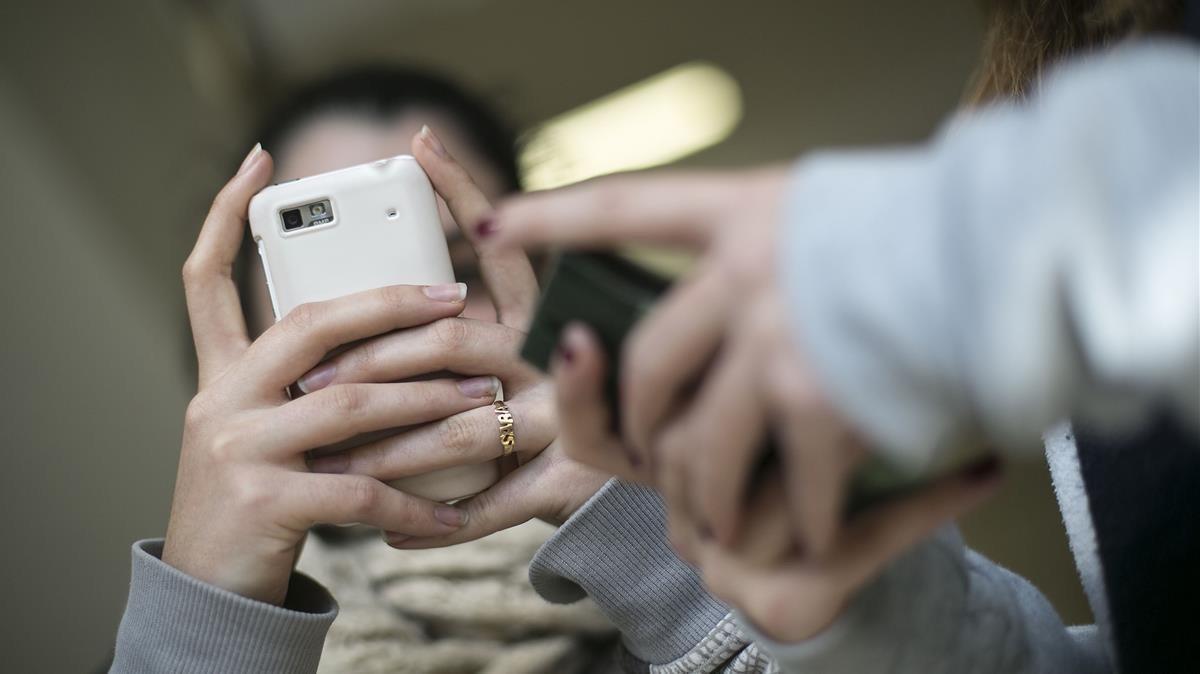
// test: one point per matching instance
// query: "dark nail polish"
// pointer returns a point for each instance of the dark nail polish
(631, 456)
(982, 470)
(486, 227)
(566, 354)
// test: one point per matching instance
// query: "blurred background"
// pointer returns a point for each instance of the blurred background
(119, 121)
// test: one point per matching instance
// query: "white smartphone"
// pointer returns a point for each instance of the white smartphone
(351, 230)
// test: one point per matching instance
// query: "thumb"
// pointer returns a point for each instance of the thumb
(515, 499)
(881, 534)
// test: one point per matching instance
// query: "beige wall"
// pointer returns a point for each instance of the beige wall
(91, 398)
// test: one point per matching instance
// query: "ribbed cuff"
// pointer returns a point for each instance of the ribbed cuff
(176, 623)
(902, 622)
(614, 549)
(797, 654)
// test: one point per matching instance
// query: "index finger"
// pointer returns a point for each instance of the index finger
(214, 310)
(680, 209)
(506, 272)
(303, 337)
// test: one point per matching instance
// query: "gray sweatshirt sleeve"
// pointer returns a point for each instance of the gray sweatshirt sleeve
(943, 609)
(1033, 262)
(175, 623)
(614, 549)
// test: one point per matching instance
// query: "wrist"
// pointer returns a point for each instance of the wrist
(251, 576)
(805, 624)
(572, 484)
(614, 550)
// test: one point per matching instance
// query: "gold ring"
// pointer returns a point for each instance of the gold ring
(508, 437)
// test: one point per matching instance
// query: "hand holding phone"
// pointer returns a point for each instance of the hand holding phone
(356, 229)
(244, 499)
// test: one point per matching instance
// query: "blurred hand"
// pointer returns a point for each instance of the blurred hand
(243, 495)
(722, 327)
(792, 596)
(703, 377)
(787, 590)
(549, 487)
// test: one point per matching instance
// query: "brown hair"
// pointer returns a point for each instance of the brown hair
(1024, 37)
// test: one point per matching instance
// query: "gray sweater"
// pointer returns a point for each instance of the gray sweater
(1009, 224)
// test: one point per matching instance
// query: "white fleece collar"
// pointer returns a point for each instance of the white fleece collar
(1063, 457)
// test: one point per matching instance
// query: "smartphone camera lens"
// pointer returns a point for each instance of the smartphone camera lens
(292, 220)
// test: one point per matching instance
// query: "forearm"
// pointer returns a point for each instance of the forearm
(1031, 263)
(175, 623)
(942, 609)
(614, 550)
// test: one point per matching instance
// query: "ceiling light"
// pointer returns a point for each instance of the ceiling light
(656, 121)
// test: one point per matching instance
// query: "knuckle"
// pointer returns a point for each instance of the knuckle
(429, 396)
(456, 435)
(364, 360)
(347, 399)
(198, 411)
(450, 333)
(222, 200)
(609, 196)
(362, 495)
(396, 298)
(373, 459)
(193, 270)
(302, 317)
(250, 492)
(225, 445)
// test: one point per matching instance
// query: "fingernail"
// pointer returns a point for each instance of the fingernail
(983, 470)
(317, 378)
(432, 141)
(394, 538)
(632, 456)
(451, 516)
(565, 352)
(479, 387)
(486, 227)
(254, 152)
(447, 292)
(332, 463)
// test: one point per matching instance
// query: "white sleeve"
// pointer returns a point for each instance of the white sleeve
(1030, 263)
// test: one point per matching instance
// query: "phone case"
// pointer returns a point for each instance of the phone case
(384, 230)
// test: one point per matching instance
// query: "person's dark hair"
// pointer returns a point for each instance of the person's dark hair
(382, 92)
